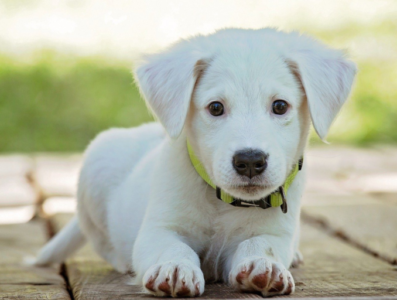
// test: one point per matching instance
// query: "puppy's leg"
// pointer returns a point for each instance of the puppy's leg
(298, 257)
(169, 266)
(297, 260)
(259, 265)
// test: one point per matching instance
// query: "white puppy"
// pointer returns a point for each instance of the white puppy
(242, 100)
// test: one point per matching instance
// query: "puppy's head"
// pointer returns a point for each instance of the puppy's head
(245, 99)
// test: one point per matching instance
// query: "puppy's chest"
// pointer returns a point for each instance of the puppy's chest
(228, 229)
(206, 228)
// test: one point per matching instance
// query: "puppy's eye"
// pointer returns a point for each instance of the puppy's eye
(216, 109)
(280, 107)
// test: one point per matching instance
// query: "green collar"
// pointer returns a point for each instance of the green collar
(275, 199)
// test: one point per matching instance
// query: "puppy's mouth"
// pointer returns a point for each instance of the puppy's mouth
(250, 188)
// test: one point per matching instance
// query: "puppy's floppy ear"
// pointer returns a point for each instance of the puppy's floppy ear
(167, 80)
(326, 77)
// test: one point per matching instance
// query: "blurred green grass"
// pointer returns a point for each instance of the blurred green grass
(370, 115)
(59, 103)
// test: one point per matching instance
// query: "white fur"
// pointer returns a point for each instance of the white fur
(143, 206)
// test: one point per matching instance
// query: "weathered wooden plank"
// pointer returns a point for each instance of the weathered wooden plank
(31, 292)
(318, 200)
(340, 161)
(332, 269)
(343, 170)
(15, 189)
(18, 280)
(57, 174)
(372, 225)
(56, 205)
(15, 165)
(18, 214)
(390, 198)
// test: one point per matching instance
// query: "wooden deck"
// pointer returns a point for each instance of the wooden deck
(349, 230)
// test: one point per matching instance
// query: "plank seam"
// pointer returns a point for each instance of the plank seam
(40, 197)
(64, 273)
(339, 234)
(63, 269)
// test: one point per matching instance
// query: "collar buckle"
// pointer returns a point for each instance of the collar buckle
(218, 193)
(300, 164)
(284, 206)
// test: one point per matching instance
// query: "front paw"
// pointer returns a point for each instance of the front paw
(262, 275)
(174, 279)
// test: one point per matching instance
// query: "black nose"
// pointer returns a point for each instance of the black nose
(250, 162)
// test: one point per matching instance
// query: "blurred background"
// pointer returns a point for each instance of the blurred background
(65, 66)
(65, 75)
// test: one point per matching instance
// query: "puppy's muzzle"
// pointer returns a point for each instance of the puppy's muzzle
(250, 162)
